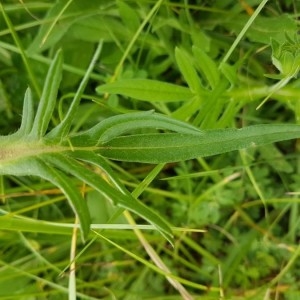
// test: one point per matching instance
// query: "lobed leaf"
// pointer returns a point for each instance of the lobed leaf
(171, 147)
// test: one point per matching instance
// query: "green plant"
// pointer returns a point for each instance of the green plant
(91, 149)
(34, 151)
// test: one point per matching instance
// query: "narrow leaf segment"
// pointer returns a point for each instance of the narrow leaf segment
(147, 90)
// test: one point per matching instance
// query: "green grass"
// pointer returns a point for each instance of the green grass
(155, 152)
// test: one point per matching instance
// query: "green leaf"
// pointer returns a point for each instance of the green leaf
(50, 32)
(286, 56)
(63, 128)
(185, 64)
(207, 66)
(38, 167)
(48, 100)
(276, 53)
(230, 72)
(264, 27)
(120, 124)
(27, 115)
(59, 20)
(129, 16)
(171, 147)
(147, 90)
(120, 197)
(17, 223)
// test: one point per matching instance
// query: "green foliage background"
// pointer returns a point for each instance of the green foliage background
(86, 135)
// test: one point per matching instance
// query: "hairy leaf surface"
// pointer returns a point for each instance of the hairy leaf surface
(171, 147)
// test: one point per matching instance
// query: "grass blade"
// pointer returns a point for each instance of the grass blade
(21, 49)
